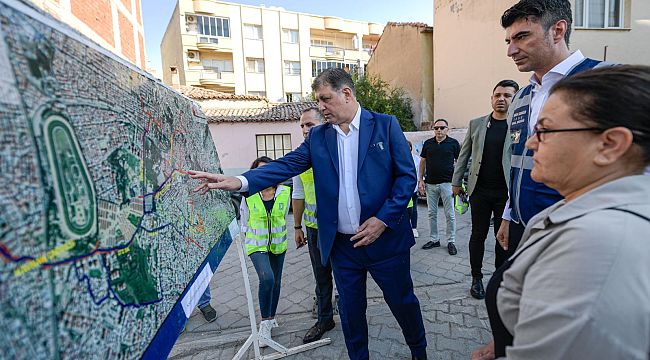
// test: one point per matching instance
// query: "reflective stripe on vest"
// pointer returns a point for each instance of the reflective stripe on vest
(264, 233)
(309, 216)
(527, 197)
(410, 204)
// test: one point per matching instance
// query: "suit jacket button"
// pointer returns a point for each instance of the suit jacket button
(334, 222)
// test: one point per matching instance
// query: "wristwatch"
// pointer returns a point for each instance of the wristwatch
(298, 227)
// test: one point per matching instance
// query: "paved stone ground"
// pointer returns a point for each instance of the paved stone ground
(455, 323)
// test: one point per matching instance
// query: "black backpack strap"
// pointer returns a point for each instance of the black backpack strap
(630, 212)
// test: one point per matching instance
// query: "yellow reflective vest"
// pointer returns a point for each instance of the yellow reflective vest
(267, 231)
(309, 216)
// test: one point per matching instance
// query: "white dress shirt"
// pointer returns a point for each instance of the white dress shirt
(539, 95)
(349, 203)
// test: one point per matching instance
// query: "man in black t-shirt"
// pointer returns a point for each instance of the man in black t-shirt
(437, 162)
(489, 147)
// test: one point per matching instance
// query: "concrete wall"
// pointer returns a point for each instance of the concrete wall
(403, 58)
(630, 45)
(470, 53)
(236, 144)
(171, 50)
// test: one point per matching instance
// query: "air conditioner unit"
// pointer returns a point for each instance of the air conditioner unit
(193, 56)
(190, 19)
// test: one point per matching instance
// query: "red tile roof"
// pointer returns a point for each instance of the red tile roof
(413, 24)
(197, 93)
(275, 113)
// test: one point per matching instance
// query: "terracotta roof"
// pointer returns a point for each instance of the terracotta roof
(275, 113)
(414, 24)
(197, 93)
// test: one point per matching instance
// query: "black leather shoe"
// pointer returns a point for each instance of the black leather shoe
(431, 245)
(452, 249)
(209, 313)
(317, 331)
(424, 357)
(477, 291)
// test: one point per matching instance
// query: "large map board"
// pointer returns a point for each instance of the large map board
(104, 249)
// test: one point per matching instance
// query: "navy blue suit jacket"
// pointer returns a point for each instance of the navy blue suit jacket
(385, 178)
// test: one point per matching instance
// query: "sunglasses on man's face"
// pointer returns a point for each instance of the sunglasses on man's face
(439, 127)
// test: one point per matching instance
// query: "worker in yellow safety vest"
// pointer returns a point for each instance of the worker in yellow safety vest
(265, 228)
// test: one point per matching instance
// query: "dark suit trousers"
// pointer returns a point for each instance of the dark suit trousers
(323, 276)
(485, 203)
(393, 276)
(515, 232)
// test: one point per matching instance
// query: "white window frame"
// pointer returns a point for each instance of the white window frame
(255, 65)
(212, 36)
(585, 16)
(253, 32)
(290, 69)
(290, 36)
(274, 146)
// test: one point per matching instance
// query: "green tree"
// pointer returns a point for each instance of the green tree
(376, 95)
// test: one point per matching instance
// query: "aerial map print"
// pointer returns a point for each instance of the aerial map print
(101, 237)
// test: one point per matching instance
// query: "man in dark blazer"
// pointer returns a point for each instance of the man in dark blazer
(488, 145)
(364, 177)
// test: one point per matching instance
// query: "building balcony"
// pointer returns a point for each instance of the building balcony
(221, 44)
(221, 79)
(327, 52)
(333, 23)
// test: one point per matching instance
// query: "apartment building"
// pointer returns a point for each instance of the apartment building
(257, 50)
(113, 24)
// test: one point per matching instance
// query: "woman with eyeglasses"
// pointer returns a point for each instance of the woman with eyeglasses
(578, 286)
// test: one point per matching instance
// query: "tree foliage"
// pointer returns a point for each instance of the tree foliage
(376, 95)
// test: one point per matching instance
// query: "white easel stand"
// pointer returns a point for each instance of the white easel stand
(254, 339)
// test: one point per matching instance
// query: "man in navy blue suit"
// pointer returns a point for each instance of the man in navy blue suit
(364, 177)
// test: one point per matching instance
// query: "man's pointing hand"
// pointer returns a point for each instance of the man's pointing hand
(214, 181)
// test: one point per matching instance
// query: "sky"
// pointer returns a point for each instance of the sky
(157, 13)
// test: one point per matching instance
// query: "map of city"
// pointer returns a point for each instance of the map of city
(101, 236)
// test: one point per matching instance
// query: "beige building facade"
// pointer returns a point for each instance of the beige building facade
(113, 24)
(469, 51)
(256, 50)
(413, 73)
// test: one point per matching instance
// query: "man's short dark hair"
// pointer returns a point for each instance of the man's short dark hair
(507, 83)
(335, 78)
(319, 115)
(443, 120)
(546, 12)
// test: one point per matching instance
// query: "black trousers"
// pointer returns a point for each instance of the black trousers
(484, 204)
(323, 276)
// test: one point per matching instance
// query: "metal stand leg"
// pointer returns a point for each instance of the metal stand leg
(254, 339)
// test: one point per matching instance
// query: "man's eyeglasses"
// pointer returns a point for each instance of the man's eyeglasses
(540, 133)
(439, 127)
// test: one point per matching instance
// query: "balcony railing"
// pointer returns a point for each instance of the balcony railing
(327, 51)
(216, 77)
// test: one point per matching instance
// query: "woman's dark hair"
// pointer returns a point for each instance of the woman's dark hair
(611, 97)
(261, 159)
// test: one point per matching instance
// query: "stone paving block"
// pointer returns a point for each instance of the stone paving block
(473, 321)
(437, 328)
(454, 318)
(445, 343)
(465, 309)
